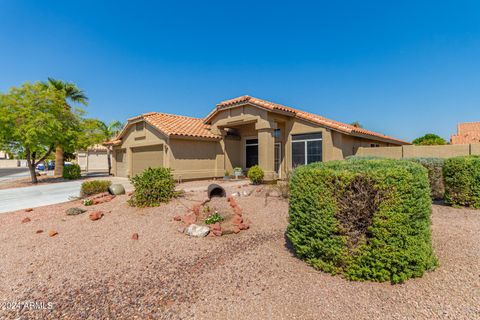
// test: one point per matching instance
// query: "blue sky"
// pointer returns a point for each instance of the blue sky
(402, 68)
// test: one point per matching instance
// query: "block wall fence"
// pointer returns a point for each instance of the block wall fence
(411, 151)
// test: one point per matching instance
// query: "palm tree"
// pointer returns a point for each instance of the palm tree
(110, 131)
(72, 94)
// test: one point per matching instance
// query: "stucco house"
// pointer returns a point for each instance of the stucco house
(467, 133)
(240, 132)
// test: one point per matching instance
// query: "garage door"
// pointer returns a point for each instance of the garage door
(121, 162)
(145, 157)
(97, 161)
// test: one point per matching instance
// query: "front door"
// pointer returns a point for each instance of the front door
(278, 158)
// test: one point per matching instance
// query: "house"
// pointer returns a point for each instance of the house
(240, 132)
(467, 133)
(94, 159)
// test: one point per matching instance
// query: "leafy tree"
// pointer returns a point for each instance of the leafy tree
(429, 139)
(72, 94)
(356, 124)
(34, 119)
(96, 131)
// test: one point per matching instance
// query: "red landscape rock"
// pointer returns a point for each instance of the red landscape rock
(243, 226)
(196, 209)
(218, 233)
(236, 229)
(52, 233)
(27, 219)
(189, 219)
(29, 210)
(96, 215)
(215, 226)
(130, 193)
(135, 236)
(39, 231)
(177, 218)
(237, 219)
(237, 210)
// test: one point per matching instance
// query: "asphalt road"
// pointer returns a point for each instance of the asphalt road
(7, 174)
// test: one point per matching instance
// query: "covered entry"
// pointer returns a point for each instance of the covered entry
(145, 157)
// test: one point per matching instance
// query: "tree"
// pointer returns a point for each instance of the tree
(72, 94)
(33, 120)
(429, 139)
(96, 131)
(356, 124)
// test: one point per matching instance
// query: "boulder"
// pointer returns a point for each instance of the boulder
(27, 219)
(116, 189)
(194, 230)
(96, 215)
(74, 211)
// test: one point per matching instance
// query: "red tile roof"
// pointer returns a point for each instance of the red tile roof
(180, 125)
(342, 127)
(467, 132)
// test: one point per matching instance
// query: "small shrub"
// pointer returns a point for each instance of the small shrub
(87, 202)
(72, 172)
(462, 181)
(214, 218)
(152, 187)
(255, 174)
(435, 175)
(366, 219)
(94, 186)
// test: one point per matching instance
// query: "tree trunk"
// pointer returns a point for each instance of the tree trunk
(33, 174)
(109, 160)
(58, 162)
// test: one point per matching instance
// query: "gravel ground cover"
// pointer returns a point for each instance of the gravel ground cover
(95, 270)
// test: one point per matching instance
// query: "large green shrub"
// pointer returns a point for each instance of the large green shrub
(72, 172)
(94, 186)
(255, 174)
(152, 187)
(435, 175)
(462, 181)
(367, 219)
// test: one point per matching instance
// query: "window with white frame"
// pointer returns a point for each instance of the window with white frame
(306, 148)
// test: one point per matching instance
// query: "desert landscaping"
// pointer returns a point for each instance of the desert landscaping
(133, 263)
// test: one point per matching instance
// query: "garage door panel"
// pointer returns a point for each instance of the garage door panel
(146, 157)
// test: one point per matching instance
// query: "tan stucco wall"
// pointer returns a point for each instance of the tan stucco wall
(386, 152)
(475, 149)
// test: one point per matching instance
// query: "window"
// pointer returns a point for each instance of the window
(374, 145)
(251, 152)
(306, 148)
(139, 126)
(276, 133)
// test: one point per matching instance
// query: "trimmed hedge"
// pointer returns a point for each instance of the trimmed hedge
(462, 181)
(255, 174)
(366, 219)
(72, 172)
(94, 186)
(152, 187)
(435, 175)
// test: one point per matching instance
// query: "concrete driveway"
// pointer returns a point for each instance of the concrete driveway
(46, 194)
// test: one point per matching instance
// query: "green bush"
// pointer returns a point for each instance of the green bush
(152, 187)
(462, 181)
(366, 219)
(94, 186)
(214, 218)
(435, 175)
(255, 174)
(72, 172)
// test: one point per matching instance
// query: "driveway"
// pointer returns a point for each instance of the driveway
(42, 195)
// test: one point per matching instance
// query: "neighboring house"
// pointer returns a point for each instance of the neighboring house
(93, 159)
(467, 133)
(240, 132)
(4, 155)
